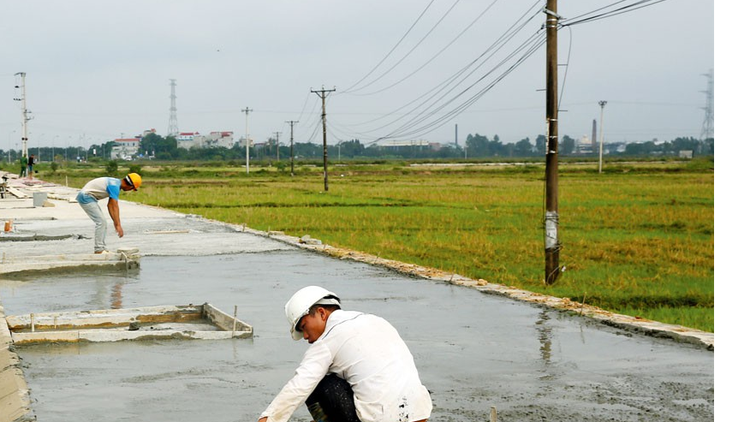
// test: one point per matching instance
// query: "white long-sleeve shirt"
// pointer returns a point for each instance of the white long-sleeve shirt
(367, 352)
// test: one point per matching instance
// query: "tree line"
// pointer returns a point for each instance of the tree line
(153, 146)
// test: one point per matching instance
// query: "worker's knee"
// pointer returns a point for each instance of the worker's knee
(334, 398)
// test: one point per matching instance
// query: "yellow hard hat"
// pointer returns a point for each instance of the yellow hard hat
(134, 180)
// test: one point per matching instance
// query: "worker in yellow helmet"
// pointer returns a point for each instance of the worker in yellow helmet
(98, 189)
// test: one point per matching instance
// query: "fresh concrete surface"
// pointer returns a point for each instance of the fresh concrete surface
(473, 350)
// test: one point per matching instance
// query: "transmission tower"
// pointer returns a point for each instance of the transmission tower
(707, 131)
(172, 127)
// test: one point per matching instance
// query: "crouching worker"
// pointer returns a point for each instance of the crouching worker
(357, 369)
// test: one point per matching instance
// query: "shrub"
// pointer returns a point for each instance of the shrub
(111, 167)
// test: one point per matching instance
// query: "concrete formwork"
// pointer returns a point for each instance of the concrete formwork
(15, 403)
(127, 259)
(186, 322)
(534, 361)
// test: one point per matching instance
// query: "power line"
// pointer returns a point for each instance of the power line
(406, 129)
(436, 55)
(403, 37)
(487, 54)
(535, 41)
(639, 4)
(410, 51)
(429, 117)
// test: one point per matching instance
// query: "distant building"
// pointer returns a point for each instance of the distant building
(399, 145)
(686, 154)
(125, 148)
(585, 146)
(190, 140)
(219, 139)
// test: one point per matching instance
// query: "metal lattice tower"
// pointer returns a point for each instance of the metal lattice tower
(707, 131)
(172, 127)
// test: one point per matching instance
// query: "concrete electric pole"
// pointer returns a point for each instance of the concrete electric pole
(551, 218)
(24, 114)
(601, 134)
(322, 94)
(277, 145)
(291, 143)
(247, 112)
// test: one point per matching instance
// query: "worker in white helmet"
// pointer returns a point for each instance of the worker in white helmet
(357, 369)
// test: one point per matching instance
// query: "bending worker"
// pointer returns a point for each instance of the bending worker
(98, 189)
(357, 369)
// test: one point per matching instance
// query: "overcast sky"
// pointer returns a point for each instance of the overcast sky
(98, 70)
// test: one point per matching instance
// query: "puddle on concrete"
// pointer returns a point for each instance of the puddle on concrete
(473, 350)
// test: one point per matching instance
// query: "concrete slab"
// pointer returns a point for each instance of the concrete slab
(127, 259)
(473, 350)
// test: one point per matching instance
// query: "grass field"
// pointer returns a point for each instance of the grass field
(637, 239)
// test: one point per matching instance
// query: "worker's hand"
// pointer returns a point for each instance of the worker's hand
(119, 231)
(262, 419)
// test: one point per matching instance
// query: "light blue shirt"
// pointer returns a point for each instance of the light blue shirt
(98, 189)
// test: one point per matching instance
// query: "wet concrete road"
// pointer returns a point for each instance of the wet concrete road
(473, 350)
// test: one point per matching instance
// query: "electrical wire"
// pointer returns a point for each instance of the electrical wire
(453, 83)
(426, 120)
(489, 52)
(410, 130)
(567, 66)
(403, 37)
(410, 51)
(436, 55)
(315, 131)
(640, 4)
(346, 130)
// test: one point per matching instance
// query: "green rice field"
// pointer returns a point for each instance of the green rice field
(637, 239)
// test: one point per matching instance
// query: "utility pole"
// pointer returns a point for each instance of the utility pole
(601, 134)
(593, 134)
(322, 94)
(24, 114)
(277, 145)
(551, 217)
(291, 143)
(247, 112)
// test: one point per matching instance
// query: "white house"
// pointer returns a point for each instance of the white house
(189, 140)
(125, 148)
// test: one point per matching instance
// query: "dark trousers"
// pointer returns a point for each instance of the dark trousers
(332, 401)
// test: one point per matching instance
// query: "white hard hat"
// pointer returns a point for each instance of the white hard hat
(301, 302)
